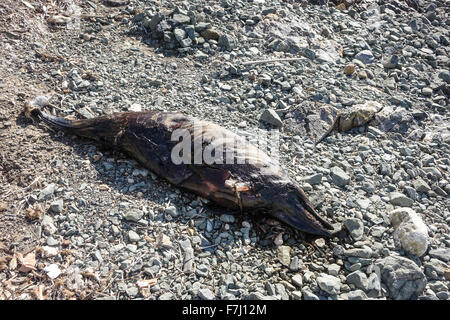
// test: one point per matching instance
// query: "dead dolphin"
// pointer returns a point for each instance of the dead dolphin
(257, 185)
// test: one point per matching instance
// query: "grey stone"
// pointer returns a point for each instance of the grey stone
(133, 215)
(206, 294)
(357, 295)
(133, 236)
(441, 254)
(314, 179)
(359, 279)
(329, 284)
(340, 178)
(297, 280)
(399, 199)
(57, 206)
(402, 276)
(271, 117)
(181, 18)
(47, 192)
(365, 57)
(356, 228)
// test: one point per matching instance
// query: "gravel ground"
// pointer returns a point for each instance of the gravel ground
(80, 221)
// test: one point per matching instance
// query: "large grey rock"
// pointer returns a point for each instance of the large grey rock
(402, 276)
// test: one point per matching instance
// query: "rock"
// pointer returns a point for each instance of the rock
(421, 186)
(153, 22)
(52, 271)
(403, 277)
(48, 251)
(133, 236)
(399, 199)
(48, 225)
(181, 18)
(340, 178)
(442, 254)
(349, 69)
(284, 255)
(179, 34)
(357, 295)
(271, 117)
(359, 279)
(314, 179)
(172, 211)
(297, 280)
(410, 230)
(227, 218)
(133, 215)
(57, 206)
(211, 34)
(206, 294)
(308, 295)
(329, 284)
(116, 3)
(333, 269)
(227, 42)
(356, 228)
(47, 192)
(365, 57)
(391, 62)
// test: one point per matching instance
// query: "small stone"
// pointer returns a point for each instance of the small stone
(132, 291)
(227, 218)
(271, 117)
(399, 199)
(172, 211)
(349, 69)
(421, 186)
(206, 294)
(52, 271)
(356, 228)
(57, 206)
(284, 255)
(359, 279)
(329, 284)
(181, 18)
(133, 236)
(47, 192)
(211, 34)
(333, 269)
(133, 215)
(357, 295)
(340, 178)
(314, 179)
(297, 280)
(365, 57)
(296, 264)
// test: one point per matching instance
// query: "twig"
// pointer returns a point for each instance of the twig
(270, 61)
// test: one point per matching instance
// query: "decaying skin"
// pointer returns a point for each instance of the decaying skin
(261, 186)
(357, 116)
